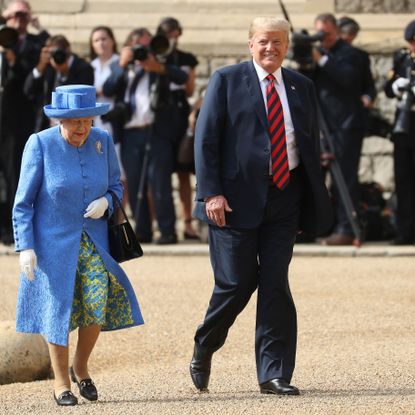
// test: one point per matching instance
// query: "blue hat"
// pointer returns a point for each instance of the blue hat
(75, 101)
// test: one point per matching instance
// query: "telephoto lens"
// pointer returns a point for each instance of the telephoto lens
(140, 53)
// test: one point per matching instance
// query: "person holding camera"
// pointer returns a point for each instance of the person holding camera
(57, 66)
(337, 77)
(146, 116)
(171, 28)
(20, 51)
(349, 29)
(401, 85)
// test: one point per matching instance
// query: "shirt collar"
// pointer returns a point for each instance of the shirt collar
(262, 73)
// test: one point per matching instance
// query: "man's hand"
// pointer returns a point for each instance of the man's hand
(399, 85)
(28, 263)
(151, 64)
(216, 206)
(44, 59)
(126, 56)
(96, 208)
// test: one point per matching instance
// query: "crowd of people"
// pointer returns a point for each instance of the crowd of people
(148, 84)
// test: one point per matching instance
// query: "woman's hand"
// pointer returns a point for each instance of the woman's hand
(28, 263)
(96, 208)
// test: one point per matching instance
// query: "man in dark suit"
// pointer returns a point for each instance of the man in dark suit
(338, 80)
(258, 184)
(348, 31)
(398, 86)
(17, 115)
(57, 66)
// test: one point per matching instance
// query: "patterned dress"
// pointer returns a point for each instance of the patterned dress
(98, 298)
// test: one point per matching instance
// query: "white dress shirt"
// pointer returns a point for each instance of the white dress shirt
(292, 150)
(102, 71)
(143, 115)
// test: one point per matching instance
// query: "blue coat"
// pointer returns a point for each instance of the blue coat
(57, 182)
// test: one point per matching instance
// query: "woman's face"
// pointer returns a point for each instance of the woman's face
(102, 44)
(75, 130)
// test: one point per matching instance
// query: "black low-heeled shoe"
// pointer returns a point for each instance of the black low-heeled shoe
(86, 387)
(66, 398)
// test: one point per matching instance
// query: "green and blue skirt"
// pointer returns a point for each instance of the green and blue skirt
(98, 297)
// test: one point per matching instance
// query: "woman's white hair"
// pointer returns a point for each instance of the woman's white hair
(268, 24)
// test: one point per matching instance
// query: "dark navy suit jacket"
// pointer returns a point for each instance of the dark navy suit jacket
(232, 148)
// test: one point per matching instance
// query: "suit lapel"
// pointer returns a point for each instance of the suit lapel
(251, 80)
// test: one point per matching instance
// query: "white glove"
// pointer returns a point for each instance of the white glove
(399, 84)
(28, 263)
(96, 208)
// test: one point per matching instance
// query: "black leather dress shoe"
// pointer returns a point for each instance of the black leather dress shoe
(86, 387)
(278, 387)
(403, 240)
(167, 239)
(66, 398)
(200, 368)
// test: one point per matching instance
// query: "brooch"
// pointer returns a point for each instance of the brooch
(98, 147)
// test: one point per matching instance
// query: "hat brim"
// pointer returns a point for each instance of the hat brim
(99, 109)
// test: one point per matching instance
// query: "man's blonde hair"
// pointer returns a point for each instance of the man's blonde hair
(268, 24)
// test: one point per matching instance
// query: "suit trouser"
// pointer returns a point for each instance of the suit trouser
(246, 259)
(404, 168)
(159, 171)
(348, 146)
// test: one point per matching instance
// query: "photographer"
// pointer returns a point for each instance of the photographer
(57, 66)
(147, 115)
(17, 115)
(401, 85)
(337, 77)
(171, 28)
(349, 30)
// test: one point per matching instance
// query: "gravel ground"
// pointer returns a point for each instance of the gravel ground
(356, 349)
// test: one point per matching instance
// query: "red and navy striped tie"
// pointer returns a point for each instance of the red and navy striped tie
(276, 128)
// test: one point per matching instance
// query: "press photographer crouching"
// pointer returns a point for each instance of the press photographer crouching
(401, 85)
(57, 66)
(144, 116)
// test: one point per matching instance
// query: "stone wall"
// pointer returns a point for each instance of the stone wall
(375, 6)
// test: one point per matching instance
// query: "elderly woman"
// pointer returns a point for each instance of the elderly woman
(68, 278)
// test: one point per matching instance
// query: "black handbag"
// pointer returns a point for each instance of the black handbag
(123, 242)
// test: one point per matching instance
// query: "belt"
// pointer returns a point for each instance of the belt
(140, 127)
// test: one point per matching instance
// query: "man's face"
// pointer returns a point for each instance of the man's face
(331, 33)
(18, 16)
(269, 49)
(411, 44)
(347, 37)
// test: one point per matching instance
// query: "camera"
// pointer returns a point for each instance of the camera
(302, 45)
(59, 56)
(159, 46)
(8, 36)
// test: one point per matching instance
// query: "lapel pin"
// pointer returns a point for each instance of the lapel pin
(98, 147)
(293, 87)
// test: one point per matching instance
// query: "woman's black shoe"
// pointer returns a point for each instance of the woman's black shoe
(86, 387)
(66, 398)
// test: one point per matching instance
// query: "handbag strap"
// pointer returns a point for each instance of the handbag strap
(117, 201)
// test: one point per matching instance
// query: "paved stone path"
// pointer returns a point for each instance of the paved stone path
(356, 345)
